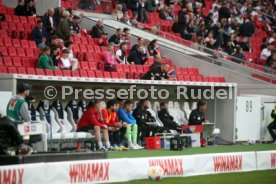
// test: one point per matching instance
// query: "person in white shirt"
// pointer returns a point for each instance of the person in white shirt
(266, 52)
(64, 62)
(69, 46)
(215, 15)
(121, 57)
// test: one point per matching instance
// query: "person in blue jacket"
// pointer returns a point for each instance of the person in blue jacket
(125, 115)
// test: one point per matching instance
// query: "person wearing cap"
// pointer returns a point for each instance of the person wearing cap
(74, 26)
(103, 41)
(65, 63)
(39, 35)
(63, 30)
(45, 61)
(17, 108)
(121, 54)
(116, 38)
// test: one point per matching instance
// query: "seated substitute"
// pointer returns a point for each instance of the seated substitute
(114, 124)
(93, 119)
(125, 115)
(167, 119)
(145, 121)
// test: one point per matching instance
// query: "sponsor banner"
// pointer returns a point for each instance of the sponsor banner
(119, 170)
(266, 160)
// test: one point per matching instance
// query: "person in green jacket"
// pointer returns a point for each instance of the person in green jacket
(63, 30)
(45, 61)
(17, 108)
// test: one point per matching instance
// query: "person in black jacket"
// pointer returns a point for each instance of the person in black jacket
(182, 19)
(272, 126)
(224, 12)
(145, 121)
(29, 8)
(157, 73)
(98, 29)
(49, 21)
(137, 57)
(19, 10)
(167, 119)
(39, 35)
(197, 116)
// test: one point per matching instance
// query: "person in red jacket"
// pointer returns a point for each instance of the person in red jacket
(114, 125)
(93, 119)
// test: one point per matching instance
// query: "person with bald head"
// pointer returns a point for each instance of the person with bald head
(49, 21)
(157, 73)
(98, 29)
(63, 30)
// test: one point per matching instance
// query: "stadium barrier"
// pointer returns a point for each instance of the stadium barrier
(126, 169)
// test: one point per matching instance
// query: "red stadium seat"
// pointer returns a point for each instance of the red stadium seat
(27, 27)
(77, 40)
(39, 71)
(126, 68)
(67, 73)
(93, 66)
(16, 19)
(83, 48)
(115, 75)
(16, 61)
(3, 51)
(98, 57)
(20, 27)
(91, 41)
(205, 79)
(3, 9)
(140, 68)
(31, 71)
(29, 52)
(21, 52)
(12, 70)
(7, 61)
(84, 40)
(122, 75)
(84, 65)
(184, 71)
(8, 18)
(23, 19)
(76, 48)
(97, 49)
(7, 42)
(31, 20)
(16, 43)
(12, 51)
(91, 74)
(1, 42)
(49, 72)
(3, 69)
(75, 73)
(180, 77)
(90, 57)
(106, 74)
(12, 26)
(58, 73)
(187, 78)
(132, 68)
(83, 73)
(99, 74)
(21, 70)
(24, 43)
(119, 68)
(199, 78)
(5, 25)
(32, 44)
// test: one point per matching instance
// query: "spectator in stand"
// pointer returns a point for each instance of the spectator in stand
(142, 13)
(19, 10)
(63, 30)
(175, 26)
(118, 13)
(60, 43)
(126, 35)
(123, 3)
(98, 29)
(229, 49)
(121, 53)
(140, 41)
(210, 41)
(224, 11)
(266, 52)
(116, 38)
(114, 125)
(109, 58)
(58, 14)
(69, 46)
(151, 5)
(137, 56)
(166, 14)
(133, 20)
(157, 62)
(189, 31)
(153, 48)
(157, 73)
(208, 21)
(54, 42)
(64, 62)
(215, 15)
(160, 5)
(239, 55)
(133, 5)
(55, 55)
(245, 44)
(270, 65)
(125, 19)
(87, 5)
(49, 21)
(247, 29)
(29, 8)
(182, 19)
(125, 115)
(103, 40)
(92, 120)
(167, 119)
(74, 26)
(45, 61)
(39, 35)
(145, 121)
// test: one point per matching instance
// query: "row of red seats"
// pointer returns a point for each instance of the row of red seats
(6, 10)
(11, 26)
(8, 42)
(21, 52)
(21, 19)
(93, 74)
